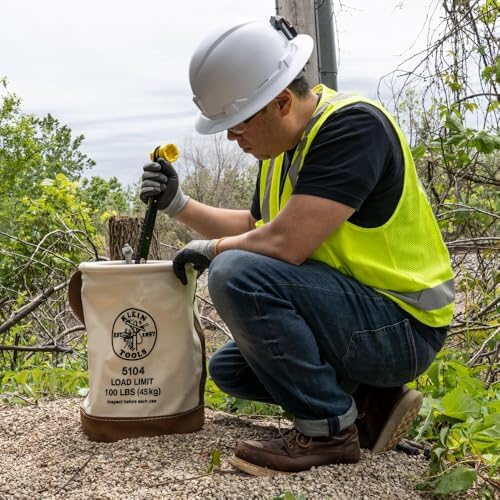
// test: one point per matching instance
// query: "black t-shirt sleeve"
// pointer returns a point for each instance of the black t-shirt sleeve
(347, 158)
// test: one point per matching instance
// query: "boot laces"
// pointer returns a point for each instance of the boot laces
(292, 436)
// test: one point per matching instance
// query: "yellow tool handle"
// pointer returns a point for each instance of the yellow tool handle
(168, 152)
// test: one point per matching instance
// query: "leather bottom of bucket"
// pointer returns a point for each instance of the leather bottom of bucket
(113, 429)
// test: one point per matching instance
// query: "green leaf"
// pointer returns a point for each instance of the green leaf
(471, 106)
(419, 151)
(454, 124)
(472, 386)
(455, 373)
(288, 495)
(438, 452)
(484, 435)
(454, 140)
(484, 142)
(214, 460)
(22, 377)
(10, 375)
(433, 372)
(29, 391)
(493, 105)
(443, 434)
(494, 406)
(455, 480)
(423, 486)
(457, 404)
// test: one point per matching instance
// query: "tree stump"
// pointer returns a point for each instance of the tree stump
(123, 230)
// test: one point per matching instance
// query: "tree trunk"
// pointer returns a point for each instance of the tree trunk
(128, 230)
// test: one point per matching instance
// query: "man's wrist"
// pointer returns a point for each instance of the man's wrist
(177, 204)
(210, 249)
(217, 245)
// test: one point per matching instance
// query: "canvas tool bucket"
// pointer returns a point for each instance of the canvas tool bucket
(146, 355)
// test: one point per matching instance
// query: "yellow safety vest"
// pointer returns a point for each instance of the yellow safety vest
(405, 259)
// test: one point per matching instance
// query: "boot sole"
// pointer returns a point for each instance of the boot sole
(257, 470)
(252, 469)
(399, 421)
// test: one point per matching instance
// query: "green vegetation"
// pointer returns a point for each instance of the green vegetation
(288, 495)
(461, 417)
(451, 118)
(52, 218)
(218, 400)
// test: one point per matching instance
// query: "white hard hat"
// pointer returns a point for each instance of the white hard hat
(242, 66)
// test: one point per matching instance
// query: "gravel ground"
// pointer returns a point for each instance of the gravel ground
(44, 454)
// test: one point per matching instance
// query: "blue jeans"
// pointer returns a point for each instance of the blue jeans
(302, 334)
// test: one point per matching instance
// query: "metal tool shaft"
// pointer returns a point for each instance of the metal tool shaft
(170, 153)
(147, 231)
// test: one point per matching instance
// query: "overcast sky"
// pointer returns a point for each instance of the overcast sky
(116, 71)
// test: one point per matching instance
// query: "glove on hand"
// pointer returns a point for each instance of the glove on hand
(197, 252)
(160, 179)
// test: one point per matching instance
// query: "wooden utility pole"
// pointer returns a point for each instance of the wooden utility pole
(301, 15)
(315, 18)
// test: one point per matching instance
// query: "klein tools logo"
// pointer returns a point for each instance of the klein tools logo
(134, 334)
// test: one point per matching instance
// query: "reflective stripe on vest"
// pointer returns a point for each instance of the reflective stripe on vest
(266, 208)
(293, 172)
(429, 298)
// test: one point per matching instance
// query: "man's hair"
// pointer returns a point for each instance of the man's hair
(300, 87)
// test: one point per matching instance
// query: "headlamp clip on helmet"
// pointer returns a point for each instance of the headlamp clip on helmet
(279, 23)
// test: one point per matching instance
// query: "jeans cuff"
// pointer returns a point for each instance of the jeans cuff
(327, 426)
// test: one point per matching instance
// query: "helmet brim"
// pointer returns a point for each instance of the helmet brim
(303, 46)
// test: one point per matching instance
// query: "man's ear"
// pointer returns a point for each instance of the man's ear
(284, 100)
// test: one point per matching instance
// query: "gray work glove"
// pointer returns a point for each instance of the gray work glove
(197, 252)
(160, 178)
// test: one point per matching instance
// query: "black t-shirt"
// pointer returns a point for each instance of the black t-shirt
(355, 159)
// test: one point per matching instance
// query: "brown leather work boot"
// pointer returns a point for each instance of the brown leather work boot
(384, 415)
(292, 451)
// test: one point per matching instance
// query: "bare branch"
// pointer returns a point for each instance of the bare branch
(27, 243)
(218, 326)
(31, 306)
(472, 209)
(483, 347)
(92, 453)
(85, 233)
(473, 96)
(485, 309)
(170, 247)
(37, 348)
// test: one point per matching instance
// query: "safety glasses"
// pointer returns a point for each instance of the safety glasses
(241, 127)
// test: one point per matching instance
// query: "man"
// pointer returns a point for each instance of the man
(337, 280)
